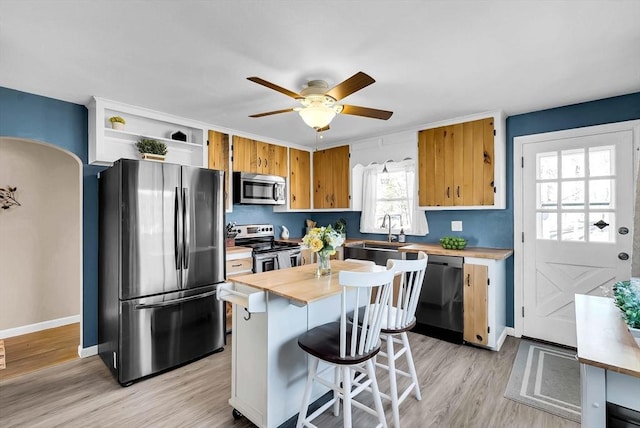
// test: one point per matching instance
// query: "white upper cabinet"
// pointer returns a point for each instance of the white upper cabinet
(107, 145)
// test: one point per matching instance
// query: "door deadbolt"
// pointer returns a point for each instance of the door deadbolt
(623, 230)
(623, 256)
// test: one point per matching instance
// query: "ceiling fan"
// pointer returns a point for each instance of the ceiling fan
(320, 104)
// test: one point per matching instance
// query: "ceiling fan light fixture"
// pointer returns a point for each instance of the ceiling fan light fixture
(317, 116)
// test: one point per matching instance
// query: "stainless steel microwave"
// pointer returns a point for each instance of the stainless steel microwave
(258, 189)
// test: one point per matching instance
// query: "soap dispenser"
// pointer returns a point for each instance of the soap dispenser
(401, 237)
(285, 232)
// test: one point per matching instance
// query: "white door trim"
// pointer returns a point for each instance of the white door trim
(518, 217)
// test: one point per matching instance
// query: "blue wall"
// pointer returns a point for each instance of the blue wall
(65, 125)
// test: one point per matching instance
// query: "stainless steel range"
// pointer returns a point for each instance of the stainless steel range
(268, 254)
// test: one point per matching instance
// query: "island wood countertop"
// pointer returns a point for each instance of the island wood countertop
(300, 283)
(603, 338)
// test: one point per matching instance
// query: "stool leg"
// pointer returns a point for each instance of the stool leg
(313, 367)
(371, 371)
(393, 382)
(336, 381)
(412, 367)
(346, 393)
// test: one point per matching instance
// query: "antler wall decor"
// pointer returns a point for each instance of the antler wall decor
(8, 197)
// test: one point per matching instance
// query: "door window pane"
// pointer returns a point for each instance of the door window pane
(547, 226)
(547, 165)
(606, 234)
(572, 226)
(573, 163)
(601, 161)
(600, 193)
(547, 195)
(572, 196)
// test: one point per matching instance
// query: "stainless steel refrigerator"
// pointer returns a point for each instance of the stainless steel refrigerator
(161, 255)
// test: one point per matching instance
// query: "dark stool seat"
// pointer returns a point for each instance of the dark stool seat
(324, 342)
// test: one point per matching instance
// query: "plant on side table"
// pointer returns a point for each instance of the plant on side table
(626, 296)
(152, 149)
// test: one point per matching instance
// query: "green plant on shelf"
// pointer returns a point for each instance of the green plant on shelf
(155, 147)
(118, 119)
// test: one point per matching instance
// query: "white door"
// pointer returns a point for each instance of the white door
(577, 213)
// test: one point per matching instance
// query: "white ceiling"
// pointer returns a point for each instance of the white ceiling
(432, 60)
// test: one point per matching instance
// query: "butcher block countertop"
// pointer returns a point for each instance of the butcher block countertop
(300, 284)
(603, 338)
(435, 249)
(231, 250)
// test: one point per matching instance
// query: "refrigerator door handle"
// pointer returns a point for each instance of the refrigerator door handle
(177, 229)
(186, 218)
(175, 301)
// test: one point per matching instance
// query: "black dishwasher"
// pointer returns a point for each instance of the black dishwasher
(440, 313)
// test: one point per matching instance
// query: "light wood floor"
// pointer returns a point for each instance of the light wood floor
(462, 386)
(35, 351)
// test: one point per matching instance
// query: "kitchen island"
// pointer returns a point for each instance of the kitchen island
(609, 360)
(271, 309)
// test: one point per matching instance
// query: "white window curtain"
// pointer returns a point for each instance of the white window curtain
(394, 193)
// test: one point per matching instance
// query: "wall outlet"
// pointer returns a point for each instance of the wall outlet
(456, 226)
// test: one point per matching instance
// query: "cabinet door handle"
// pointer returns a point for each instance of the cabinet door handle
(238, 265)
(448, 192)
(266, 161)
(458, 191)
(468, 280)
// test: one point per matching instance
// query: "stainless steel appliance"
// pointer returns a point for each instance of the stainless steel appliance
(440, 306)
(161, 256)
(258, 189)
(268, 254)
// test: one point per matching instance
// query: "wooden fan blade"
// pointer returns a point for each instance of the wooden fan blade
(352, 84)
(366, 112)
(273, 86)
(269, 113)
(326, 128)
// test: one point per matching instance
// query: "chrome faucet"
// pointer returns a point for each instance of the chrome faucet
(390, 237)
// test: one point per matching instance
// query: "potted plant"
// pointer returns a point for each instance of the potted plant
(152, 149)
(340, 226)
(117, 122)
(626, 296)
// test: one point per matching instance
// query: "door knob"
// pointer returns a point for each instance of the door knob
(623, 256)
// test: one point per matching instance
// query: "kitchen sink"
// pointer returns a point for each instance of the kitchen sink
(377, 252)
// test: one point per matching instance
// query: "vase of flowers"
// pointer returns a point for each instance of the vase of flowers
(626, 296)
(324, 241)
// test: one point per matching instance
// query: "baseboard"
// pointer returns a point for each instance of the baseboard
(511, 331)
(32, 328)
(87, 352)
(502, 338)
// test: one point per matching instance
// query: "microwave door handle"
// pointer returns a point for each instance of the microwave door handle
(186, 215)
(177, 229)
(275, 191)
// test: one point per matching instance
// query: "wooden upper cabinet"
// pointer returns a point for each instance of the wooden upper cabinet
(219, 159)
(299, 179)
(456, 164)
(258, 157)
(244, 154)
(331, 178)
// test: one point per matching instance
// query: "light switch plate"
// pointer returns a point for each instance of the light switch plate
(456, 226)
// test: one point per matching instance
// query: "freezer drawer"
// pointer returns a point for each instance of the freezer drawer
(161, 332)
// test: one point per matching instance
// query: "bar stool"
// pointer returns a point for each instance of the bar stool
(398, 319)
(349, 347)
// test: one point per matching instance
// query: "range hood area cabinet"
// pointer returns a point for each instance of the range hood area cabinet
(299, 179)
(461, 164)
(107, 145)
(258, 157)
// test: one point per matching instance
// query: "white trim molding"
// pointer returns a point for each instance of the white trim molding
(45, 325)
(87, 352)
